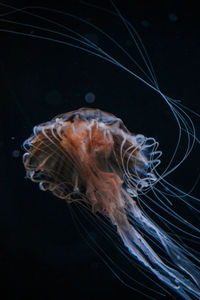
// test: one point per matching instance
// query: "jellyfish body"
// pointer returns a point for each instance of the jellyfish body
(92, 154)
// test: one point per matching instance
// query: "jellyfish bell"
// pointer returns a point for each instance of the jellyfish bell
(92, 151)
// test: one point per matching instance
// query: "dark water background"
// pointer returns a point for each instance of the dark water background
(40, 245)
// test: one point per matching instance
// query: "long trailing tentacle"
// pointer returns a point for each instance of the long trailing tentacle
(183, 277)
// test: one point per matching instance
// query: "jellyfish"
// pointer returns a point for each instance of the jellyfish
(90, 156)
(90, 152)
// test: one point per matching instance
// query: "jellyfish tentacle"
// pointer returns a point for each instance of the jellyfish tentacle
(184, 277)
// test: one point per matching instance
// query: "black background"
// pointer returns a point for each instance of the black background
(41, 249)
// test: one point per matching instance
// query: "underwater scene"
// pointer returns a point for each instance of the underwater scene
(100, 140)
